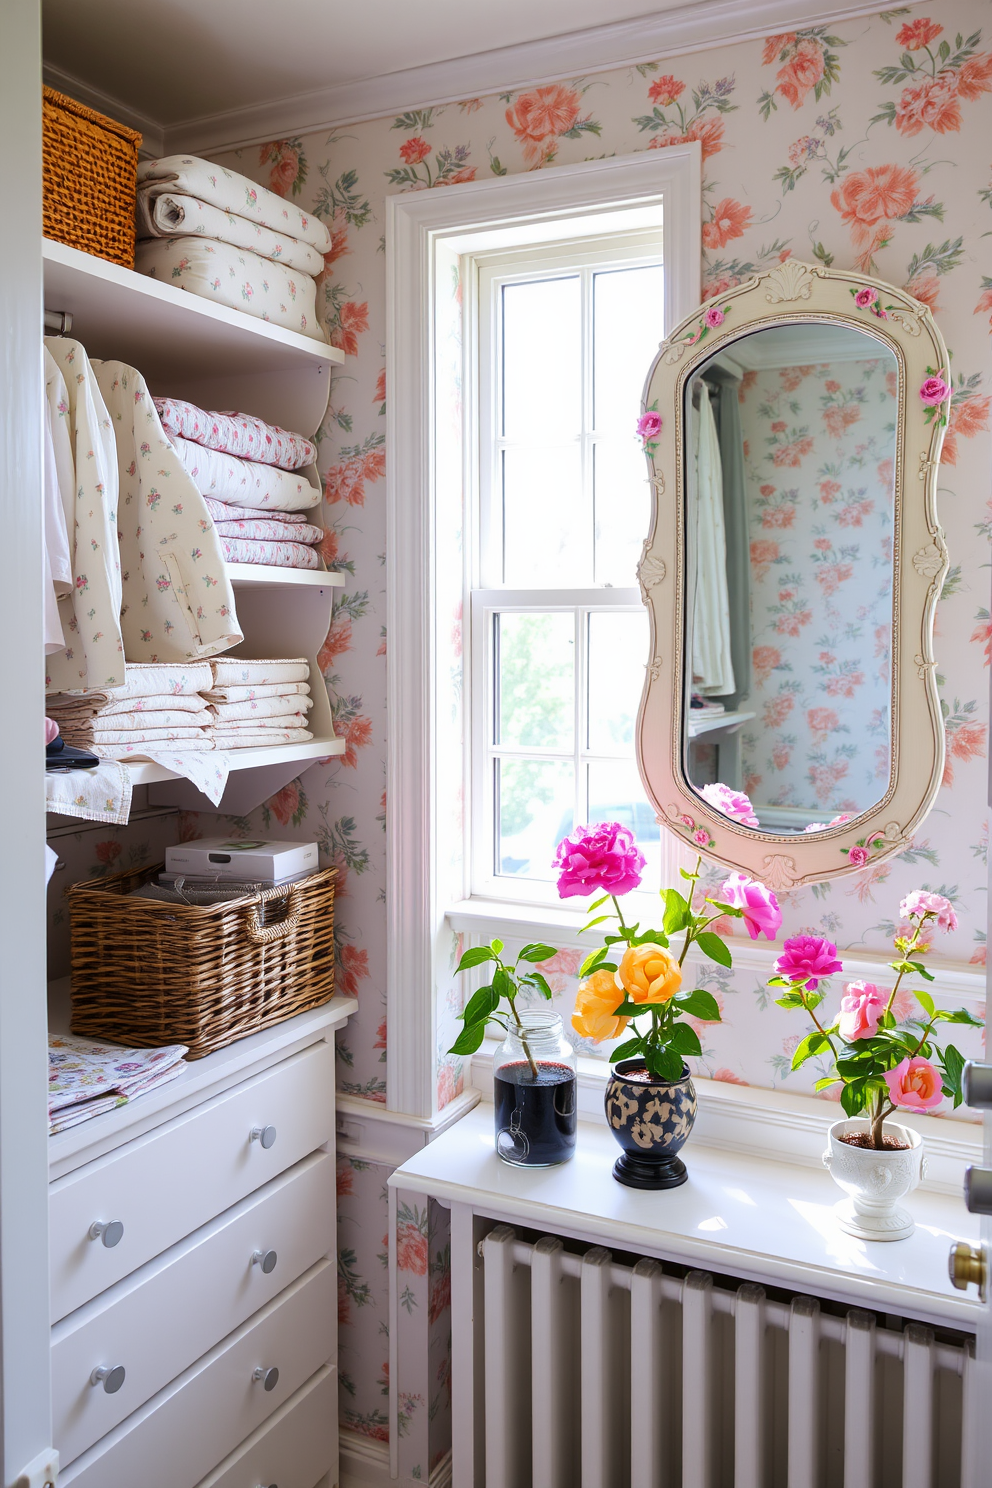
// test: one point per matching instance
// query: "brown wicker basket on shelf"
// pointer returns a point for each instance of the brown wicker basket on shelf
(90, 173)
(145, 972)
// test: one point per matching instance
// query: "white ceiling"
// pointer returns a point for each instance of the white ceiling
(175, 60)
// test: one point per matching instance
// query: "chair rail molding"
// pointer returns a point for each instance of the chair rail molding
(417, 225)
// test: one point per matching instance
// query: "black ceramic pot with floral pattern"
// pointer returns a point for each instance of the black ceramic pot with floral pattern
(651, 1120)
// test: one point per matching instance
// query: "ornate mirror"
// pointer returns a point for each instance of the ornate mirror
(790, 725)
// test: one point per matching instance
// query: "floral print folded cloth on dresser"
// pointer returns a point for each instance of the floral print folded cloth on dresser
(87, 1077)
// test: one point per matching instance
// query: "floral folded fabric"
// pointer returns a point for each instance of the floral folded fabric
(152, 748)
(274, 708)
(234, 277)
(224, 511)
(74, 732)
(174, 215)
(143, 679)
(160, 702)
(261, 738)
(87, 1076)
(230, 192)
(271, 531)
(140, 736)
(231, 671)
(275, 554)
(238, 434)
(102, 793)
(228, 478)
(260, 723)
(264, 690)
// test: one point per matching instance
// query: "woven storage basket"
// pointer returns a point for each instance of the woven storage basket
(90, 174)
(147, 973)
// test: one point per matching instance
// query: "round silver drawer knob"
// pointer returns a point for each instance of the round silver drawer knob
(111, 1378)
(266, 1259)
(269, 1377)
(264, 1135)
(110, 1231)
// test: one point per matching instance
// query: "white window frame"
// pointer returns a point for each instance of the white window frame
(416, 224)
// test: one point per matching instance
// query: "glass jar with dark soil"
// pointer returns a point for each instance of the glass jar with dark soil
(534, 1092)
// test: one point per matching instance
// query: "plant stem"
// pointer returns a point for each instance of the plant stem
(690, 933)
(522, 1036)
(819, 1025)
(882, 1109)
(909, 949)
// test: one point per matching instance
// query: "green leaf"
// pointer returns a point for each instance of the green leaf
(711, 945)
(953, 1062)
(790, 1000)
(662, 1063)
(629, 1009)
(597, 903)
(503, 984)
(825, 1082)
(537, 952)
(541, 983)
(684, 1040)
(926, 1003)
(698, 1004)
(727, 909)
(599, 920)
(628, 1050)
(469, 1039)
(497, 946)
(853, 1097)
(811, 1044)
(677, 914)
(960, 1015)
(592, 961)
(475, 957)
(687, 875)
(650, 937)
(480, 1005)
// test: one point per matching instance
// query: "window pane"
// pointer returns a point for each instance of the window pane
(618, 650)
(535, 805)
(628, 323)
(623, 509)
(616, 794)
(543, 543)
(535, 675)
(542, 358)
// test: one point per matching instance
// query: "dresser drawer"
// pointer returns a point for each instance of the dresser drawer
(165, 1316)
(296, 1448)
(173, 1179)
(185, 1430)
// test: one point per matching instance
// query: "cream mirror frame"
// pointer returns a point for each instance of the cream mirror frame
(799, 294)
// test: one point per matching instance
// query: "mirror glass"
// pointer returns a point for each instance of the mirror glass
(789, 486)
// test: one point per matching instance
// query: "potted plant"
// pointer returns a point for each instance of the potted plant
(634, 976)
(882, 1065)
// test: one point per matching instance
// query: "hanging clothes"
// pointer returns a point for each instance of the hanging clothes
(86, 465)
(735, 512)
(58, 559)
(712, 664)
(178, 599)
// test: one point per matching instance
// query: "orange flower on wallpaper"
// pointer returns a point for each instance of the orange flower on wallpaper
(666, 90)
(807, 64)
(777, 710)
(352, 320)
(936, 79)
(792, 454)
(764, 553)
(289, 165)
(984, 305)
(925, 288)
(801, 73)
(969, 416)
(764, 660)
(413, 151)
(869, 201)
(352, 967)
(729, 220)
(775, 45)
(983, 634)
(917, 34)
(541, 117)
(840, 417)
(932, 105)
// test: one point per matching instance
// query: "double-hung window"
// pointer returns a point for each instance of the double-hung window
(566, 333)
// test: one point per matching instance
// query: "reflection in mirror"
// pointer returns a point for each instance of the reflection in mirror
(790, 461)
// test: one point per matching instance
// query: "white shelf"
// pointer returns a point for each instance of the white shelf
(708, 723)
(143, 772)
(287, 578)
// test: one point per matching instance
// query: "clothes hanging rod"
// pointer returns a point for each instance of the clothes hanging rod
(58, 322)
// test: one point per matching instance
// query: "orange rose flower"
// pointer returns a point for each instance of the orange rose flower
(598, 998)
(544, 113)
(975, 77)
(649, 973)
(873, 195)
(801, 73)
(730, 218)
(933, 105)
(917, 34)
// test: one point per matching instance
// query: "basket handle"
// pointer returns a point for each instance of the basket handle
(266, 934)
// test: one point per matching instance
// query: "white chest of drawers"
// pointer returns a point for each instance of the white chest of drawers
(200, 1343)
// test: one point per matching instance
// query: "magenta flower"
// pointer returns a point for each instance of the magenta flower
(714, 317)
(808, 957)
(649, 425)
(934, 390)
(757, 904)
(865, 297)
(858, 856)
(920, 903)
(601, 859)
(860, 1009)
(915, 1084)
(734, 804)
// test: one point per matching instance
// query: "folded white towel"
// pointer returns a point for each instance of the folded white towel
(231, 192)
(261, 738)
(264, 690)
(174, 216)
(142, 679)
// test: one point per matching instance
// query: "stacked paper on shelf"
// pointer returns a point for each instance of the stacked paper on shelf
(258, 703)
(87, 1077)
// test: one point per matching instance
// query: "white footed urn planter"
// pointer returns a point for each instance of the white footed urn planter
(875, 1180)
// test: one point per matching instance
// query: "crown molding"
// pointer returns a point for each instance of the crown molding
(697, 25)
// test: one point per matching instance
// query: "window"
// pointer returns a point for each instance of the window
(566, 334)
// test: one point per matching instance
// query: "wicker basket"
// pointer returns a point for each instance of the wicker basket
(90, 177)
(147, 973)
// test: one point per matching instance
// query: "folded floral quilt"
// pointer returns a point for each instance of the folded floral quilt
(225, 511)
(260, 738)
(276, 554)
(234, 277)
(231, 192)
(227, 478)
(238, 694)
(258, 709)
(261, 530)
(174, 216)
(231, 671)
(238, 434)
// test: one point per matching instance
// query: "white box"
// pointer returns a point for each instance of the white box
(254, 858)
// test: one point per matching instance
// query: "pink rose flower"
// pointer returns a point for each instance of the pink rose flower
(649, 425)
(865, 297)
(860, 1009)
(714, 317)
(934, 391)
(807, 956)
(687, 821)
(915, 1084)
(921, 903)
(858, 856)
(758, 905)
(702, 837)
(734, 804)
(600, 859)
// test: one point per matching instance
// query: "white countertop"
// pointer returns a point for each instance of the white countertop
(754, 1218)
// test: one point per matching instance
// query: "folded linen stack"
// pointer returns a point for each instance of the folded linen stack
(218, 234)
(87, 1077)
(158, 707)
(255, 480)
(257, 703)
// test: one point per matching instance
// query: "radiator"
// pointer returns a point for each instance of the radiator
(599, 1374)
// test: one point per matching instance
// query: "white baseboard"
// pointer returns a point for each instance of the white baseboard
(365, 1464)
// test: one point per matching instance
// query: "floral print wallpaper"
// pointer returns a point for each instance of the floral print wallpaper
(858, 144)
(818, 447)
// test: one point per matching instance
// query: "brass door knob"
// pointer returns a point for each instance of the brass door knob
(967, 1266)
